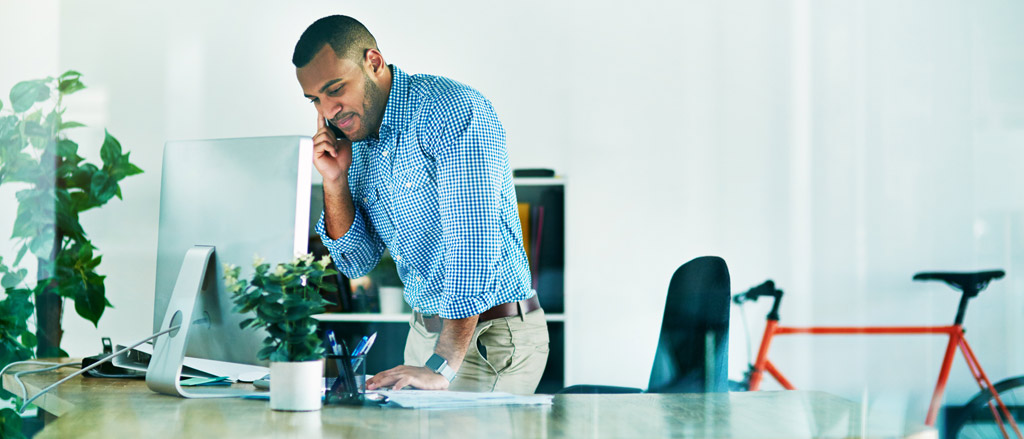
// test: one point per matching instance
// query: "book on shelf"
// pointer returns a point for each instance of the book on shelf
(537, 234)
(524, 222)
(531, 219)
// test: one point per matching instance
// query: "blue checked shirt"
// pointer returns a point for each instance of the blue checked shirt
(436, 189)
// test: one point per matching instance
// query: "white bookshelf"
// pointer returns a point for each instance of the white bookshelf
(390, 318)
(538, 181)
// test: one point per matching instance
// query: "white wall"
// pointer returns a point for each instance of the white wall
(36, 60)
(836, 147)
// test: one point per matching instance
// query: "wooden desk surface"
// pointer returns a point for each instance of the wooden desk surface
(105, 408)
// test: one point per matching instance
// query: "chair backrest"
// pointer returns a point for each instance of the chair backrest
(693, 347)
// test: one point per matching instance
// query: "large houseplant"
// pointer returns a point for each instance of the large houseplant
(57, 185)
(284, 300)
(54, 185)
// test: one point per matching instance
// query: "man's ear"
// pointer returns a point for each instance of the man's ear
(374, 61)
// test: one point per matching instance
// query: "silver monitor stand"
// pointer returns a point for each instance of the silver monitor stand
(164, 371)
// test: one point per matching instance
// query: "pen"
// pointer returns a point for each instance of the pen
(368, 345)
(335, 349)
(364, 351)
(359, 346)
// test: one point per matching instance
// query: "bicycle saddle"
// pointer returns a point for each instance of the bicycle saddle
(970, 283)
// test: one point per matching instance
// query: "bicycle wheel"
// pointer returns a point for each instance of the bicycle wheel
(977, 419)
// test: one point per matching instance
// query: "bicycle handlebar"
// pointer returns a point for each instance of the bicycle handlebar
(767, 288)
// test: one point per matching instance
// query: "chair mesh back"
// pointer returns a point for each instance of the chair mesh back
(692, 353)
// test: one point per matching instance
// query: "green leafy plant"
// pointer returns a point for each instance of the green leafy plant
(284, 300)
(57, 185)
(16, 339)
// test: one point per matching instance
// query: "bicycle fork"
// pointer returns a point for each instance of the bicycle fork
(1000, 412)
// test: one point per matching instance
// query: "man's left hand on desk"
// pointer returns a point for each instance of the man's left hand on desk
(404, 376)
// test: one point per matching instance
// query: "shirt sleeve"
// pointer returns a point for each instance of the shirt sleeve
(468, 144)
(357, 251)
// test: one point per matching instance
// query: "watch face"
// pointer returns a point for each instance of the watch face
(436, 362)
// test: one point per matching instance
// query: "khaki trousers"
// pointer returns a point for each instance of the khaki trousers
(505, 355)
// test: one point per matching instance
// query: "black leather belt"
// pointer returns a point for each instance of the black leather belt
(434, 323)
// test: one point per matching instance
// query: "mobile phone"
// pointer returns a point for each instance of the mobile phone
(337, 132)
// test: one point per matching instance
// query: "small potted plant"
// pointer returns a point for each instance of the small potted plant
(284, 300)
(389, 285)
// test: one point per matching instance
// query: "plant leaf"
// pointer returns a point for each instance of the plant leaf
(80, 202)
(35, 129)
(110, 152)
(82, 177)
(71, 85)
(102, 188)
(92, 302)
(29, 339)
(42, 245)
(125, 168)
(21, 254)
(264, 353)
(26, 93)
(67, 149)
(70, 124)
(24, 226)
(68, 74)
(11, 279)
(10, 424)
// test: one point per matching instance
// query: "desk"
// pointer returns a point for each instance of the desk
(106, 408)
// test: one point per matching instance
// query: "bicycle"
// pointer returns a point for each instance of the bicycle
(990, 413)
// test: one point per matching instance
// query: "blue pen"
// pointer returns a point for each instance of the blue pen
(333, 342)
(336, 349)
(359, 346)
(364, 351)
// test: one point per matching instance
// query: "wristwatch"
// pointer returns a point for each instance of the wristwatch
(439, 365)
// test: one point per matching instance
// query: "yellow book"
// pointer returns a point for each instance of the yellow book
(524, 221)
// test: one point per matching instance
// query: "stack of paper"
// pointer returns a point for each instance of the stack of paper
(443, 399)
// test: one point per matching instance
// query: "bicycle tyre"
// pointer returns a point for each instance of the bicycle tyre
(976, 420)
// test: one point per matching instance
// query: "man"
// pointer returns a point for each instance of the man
(418, 165)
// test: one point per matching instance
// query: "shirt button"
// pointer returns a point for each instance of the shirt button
(418, 278)
(398, 258)
(366, 199)
(409, 184)
(385, 153)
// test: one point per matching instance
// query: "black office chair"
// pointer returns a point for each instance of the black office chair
(693, 348)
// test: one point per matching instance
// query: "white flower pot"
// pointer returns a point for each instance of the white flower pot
(296, 386)
(391, 300)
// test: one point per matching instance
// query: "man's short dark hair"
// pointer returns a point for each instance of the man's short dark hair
(346, 36)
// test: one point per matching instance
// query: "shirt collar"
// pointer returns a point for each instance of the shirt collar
(398, 112)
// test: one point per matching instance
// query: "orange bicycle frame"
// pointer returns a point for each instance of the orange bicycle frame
(956, 340)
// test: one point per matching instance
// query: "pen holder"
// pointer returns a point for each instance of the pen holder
(346, 378)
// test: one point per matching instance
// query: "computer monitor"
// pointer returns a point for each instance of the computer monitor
(223, 201)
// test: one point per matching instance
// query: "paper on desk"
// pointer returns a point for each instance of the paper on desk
(444, 399)
(192, 367)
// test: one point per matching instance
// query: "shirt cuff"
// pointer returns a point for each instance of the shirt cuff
(349, 242)
(461, 306)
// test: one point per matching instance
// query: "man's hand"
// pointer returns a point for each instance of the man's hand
(331, 156)
(402, 376)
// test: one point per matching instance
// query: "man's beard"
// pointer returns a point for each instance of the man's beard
(374, 102)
